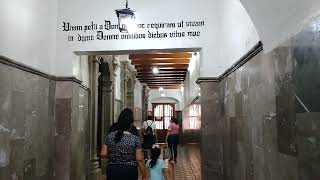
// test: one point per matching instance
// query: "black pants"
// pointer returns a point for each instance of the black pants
(122, 172)
(173, 141)
(148, 141)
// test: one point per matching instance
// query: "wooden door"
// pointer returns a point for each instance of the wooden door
(162, 114)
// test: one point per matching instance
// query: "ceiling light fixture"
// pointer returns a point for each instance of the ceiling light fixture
(155, 71)
(182, 89)
(161, 89)
(162, 94)
(126, 19)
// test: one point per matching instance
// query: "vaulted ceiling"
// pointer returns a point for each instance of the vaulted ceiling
(173, 68)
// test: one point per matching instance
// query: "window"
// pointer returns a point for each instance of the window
(162, 115)
(192, 117)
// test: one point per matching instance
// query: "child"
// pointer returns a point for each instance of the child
(155, 165)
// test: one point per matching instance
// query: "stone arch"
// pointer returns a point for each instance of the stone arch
(166, 100)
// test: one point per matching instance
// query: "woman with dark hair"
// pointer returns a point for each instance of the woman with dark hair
(123, 151)
(173, 138)
(156, 166)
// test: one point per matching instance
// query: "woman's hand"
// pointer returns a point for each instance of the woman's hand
(104, 151)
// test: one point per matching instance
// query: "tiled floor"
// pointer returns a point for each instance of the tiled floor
(188, 166)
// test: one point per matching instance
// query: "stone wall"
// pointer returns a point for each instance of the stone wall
(26, 124)
(43, 125)
(72, 131)
(264, 117)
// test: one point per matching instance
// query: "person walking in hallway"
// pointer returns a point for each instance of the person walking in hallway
(149, 135)
(173, 138)
(123, 151)
(156, 166)
(114, 127)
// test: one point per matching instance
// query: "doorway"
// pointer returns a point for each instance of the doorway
(162, 113)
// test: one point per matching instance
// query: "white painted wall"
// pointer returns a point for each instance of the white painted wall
(190, 87)
(81, 69)
(118, 84)
(236, 34)
(215, 57)
(278, 20)
(172, 96)
(138, 94)
(165, 100)
(28, 33)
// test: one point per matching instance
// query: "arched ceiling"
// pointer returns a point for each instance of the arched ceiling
(278, 20)
(164, 99)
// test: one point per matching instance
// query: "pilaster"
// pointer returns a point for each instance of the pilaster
(212, 129)
(94, 167)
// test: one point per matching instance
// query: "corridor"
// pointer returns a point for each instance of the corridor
(188, 167)
(233, 83)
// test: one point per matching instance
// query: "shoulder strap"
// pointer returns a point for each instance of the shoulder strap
(150, 124)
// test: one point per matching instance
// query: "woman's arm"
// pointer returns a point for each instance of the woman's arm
(169, 129)
(165, 174)
(104, 151)
(140, 160)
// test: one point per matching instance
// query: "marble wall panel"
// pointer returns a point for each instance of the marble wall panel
(79, 130)
(211, 131)
(308, 128)
(43, 127)
(63, 115)
(25, 125)
(271, 113)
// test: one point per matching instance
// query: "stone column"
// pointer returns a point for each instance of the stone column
(145, 100)
(107, 103)
(212, 128)
(115, 66)
(94, 169)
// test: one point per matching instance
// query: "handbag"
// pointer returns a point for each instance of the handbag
(166, 153)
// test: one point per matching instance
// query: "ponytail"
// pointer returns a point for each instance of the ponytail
(155, 153)
(125, 121)
(119, 135)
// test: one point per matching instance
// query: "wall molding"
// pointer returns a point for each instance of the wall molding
(243, 60)
(85, 88)
(23, 67)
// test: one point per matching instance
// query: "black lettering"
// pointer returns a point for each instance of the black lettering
(157, 35)
(194, 33)
(107, 25)
(195, 23)
(66, 26)
(85, 38)
(99, 35)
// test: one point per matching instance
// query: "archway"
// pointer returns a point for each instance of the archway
(105, 101)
